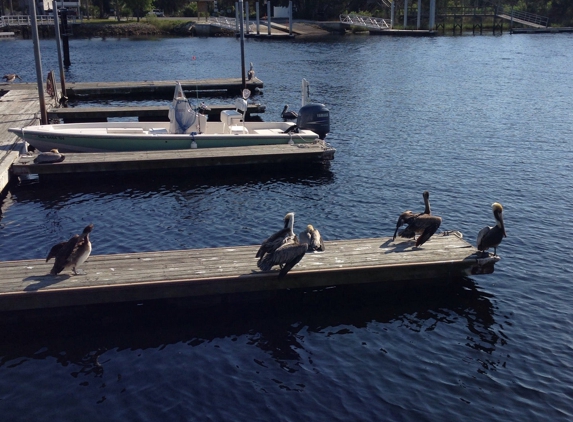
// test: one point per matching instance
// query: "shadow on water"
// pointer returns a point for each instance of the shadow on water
(275, 325)
(61, 188)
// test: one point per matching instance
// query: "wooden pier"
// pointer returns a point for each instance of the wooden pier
(86, 163)
(143, 113)
(147, 89)
(216, 273)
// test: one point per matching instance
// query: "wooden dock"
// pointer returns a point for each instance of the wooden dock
(220, 272)
(143, 113)
(16, 109)
(86, 163)
(146, 89)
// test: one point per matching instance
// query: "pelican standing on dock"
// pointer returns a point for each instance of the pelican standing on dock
(424, 224)
(312, 237)
(491, 237)
(288, 114)
(10, 77)
(285, 235)
(286, 256)
(72, 253)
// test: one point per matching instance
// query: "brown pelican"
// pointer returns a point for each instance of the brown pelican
(52, 156)
(312, 236)
(288, 114)
(251, 72)
(72, 253)
(285, 235)
(10, 77)
(491, 237)
(425, 224)
(286, 256)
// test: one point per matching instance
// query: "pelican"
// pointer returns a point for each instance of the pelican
(286, 256)
(312, 237)
(425, 224)
(288, 114)
(251, 72)
(72, 253)
(285, 235)
(52, 156)
(407, 216)
(10, 77)
(491, 237)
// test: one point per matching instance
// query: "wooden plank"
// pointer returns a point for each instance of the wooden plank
(175, 159)
(232, 270)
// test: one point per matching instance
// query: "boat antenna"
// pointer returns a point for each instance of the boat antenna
(242, 38)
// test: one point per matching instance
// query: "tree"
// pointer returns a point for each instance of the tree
(138, 7)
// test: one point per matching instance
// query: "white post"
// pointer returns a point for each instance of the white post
(269, 16)
(237, 16)
(432, 20)
(258, 21)
(419, 14)
(34, 23)
(59, 46)
(290, 18)
(392, 15)
(405, 14)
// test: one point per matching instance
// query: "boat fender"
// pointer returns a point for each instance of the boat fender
(193, 143)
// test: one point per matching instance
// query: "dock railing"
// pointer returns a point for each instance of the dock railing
(24, 20)
(526, 17)
(365, 21)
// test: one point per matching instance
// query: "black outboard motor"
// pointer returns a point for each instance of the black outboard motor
(315, 117)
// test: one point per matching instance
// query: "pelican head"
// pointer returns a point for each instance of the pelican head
(498, 215)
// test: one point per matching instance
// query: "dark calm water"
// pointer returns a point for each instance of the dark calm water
(472, 119)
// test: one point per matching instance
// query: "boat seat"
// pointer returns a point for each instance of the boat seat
(238, 130)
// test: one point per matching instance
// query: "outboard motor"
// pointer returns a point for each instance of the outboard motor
(315, 117)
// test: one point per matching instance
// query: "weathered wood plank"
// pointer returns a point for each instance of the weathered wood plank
(230, 270)
(154, 160)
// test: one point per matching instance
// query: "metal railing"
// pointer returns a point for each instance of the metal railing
(230, 23)
(24, 20)
(526, 17)
(365, 21)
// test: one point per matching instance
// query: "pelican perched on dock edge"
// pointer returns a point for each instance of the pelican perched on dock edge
(424, 224)
(286, 256)
(491, 237)
(312, 236)
(72, 253)
(288, 114)
(10, 77)
(285, 235)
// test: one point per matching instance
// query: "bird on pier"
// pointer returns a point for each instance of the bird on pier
(424, 224)
(286, 256)
(251, 72)
(288, 114)
(491, 237)
(52, 156)
(283, 236)
(71, 254)
(10, 77)
(312, 237)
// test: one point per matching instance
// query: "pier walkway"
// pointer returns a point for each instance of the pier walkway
(216, 273)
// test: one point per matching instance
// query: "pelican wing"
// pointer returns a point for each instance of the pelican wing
(481, 236)
(430, 224)
(282, 255)
(273, 242)
(295, 253)
(63, 256)
(54, 250)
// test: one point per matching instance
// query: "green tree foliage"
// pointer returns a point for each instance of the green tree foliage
(139, 7)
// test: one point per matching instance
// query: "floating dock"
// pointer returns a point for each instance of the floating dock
(88, 162)
(216, 273)
(147, 89)
(144, 113)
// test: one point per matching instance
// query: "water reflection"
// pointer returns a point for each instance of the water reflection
(277, 326)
